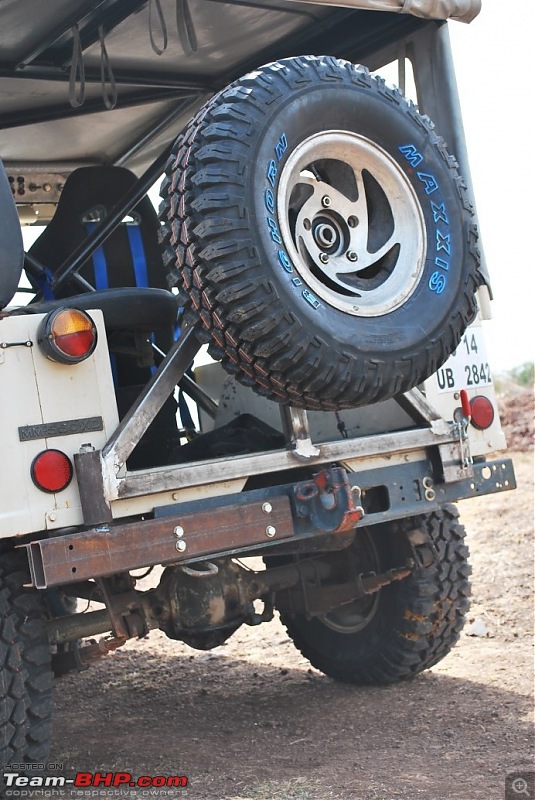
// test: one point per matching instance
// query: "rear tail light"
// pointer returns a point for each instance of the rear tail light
(67, 336)
(51, 471)
(482, 412)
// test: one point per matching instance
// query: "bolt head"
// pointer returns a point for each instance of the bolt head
(271, 531)
(180, 545)
(267, 508)
(179, 531)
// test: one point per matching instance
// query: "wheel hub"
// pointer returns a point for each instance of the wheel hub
(355, 616)
(351, 223)
(329, 235)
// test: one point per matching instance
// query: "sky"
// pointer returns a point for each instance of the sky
(494, 63)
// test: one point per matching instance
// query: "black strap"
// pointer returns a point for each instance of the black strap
(185, 27)
(163, 27)
(107, 78)
(77, 75)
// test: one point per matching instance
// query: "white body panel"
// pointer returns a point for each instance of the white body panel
(468, 368)
(35, 390)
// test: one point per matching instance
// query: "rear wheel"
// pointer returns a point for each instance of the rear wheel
(25, 668)
(320, 231)
(405, 627)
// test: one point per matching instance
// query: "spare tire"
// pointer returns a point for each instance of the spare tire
(320, 230)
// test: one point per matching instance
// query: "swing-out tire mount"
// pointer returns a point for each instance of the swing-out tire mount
(330, 266)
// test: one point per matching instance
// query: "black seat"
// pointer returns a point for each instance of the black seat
(11, 247)
(129, 309)
(136, 309)
(130, 256)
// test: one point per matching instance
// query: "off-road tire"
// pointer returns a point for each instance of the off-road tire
(274, 317)
(412, 625)
(25, 673)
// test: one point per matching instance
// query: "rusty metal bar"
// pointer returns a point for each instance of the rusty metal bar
(95, 508)
(76, 626)
(107, 549)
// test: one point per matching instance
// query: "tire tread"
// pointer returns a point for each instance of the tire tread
(431, 604)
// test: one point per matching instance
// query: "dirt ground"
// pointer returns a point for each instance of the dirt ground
(252, 721)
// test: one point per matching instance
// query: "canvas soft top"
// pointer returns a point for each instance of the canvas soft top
(461, 10)
(65, 63)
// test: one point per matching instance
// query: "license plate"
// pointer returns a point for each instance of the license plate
(468, 367)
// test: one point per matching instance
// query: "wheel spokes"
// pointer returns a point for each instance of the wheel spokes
(333, 229)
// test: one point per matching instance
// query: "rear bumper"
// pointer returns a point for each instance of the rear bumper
(329, 506)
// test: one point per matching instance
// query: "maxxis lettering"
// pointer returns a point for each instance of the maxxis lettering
(439, 278)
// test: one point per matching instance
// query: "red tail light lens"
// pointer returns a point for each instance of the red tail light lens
(482, 412)
(51, 471)
(67, 336)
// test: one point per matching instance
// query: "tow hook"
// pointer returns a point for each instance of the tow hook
(329, 501)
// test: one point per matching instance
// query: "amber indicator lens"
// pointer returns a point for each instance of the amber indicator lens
(67, 336)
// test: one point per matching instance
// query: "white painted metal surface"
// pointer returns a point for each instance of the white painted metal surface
(37, 391)
(468, 368)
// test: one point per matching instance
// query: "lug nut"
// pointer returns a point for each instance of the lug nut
(326, 201)
(352, 222)
(324, 258)
(351, 255)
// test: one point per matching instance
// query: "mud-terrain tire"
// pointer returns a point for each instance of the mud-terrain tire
(405, 627)
(25, 673)
(318, 227)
